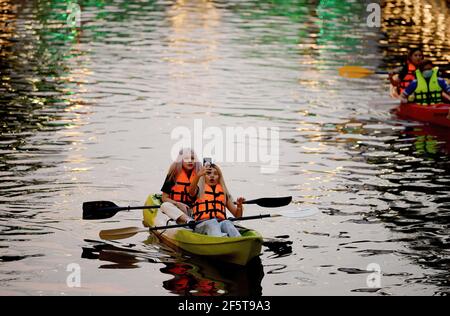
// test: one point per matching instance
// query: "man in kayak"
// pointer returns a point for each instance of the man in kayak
(428, 87)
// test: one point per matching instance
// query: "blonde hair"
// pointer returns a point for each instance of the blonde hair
(176, 167)
(201, 184)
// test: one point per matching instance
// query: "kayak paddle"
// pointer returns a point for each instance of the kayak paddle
(356, 72)
(361, 72)
(107, 209)
(271, 202)
(122, 233)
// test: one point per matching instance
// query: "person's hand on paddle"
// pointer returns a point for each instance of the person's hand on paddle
(239, 204)
(236, 208)
(394, 79)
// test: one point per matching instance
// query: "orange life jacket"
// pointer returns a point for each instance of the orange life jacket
(211, 205)
(179, 191)
(410, 77)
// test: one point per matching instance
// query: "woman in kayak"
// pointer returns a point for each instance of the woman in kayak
(403, 76)
(428, 87)
(213, 200)
(175, 192)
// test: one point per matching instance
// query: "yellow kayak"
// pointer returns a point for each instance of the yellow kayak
(237, 250)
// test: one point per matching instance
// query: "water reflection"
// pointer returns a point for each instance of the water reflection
(429, 140)
(190, 276)
(118, 257)
(85, 114)
(38, 110)
(409, 23)
(413, 181)
(197, 277)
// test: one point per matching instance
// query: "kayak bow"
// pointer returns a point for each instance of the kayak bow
(433, 114)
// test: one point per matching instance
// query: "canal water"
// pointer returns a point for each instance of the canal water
(88, 106)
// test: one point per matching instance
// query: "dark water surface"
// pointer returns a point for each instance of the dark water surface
(86, 113)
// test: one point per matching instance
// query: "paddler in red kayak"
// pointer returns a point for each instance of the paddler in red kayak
(213, 200)
(175, 192)
(428, 87)
(403, 76)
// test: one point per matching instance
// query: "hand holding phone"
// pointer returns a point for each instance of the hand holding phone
(207, 162)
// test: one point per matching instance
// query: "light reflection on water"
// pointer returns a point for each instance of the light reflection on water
(86, 114)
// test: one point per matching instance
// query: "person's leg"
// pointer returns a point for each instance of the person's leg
(228, 228)
(174, 213)
(210, 227)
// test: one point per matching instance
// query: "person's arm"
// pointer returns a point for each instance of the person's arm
(408, 91)
(167, 187)
(166, 198)
(238, 209)
(444, 85)
(193, 188)
(395, 75)
(445, 89)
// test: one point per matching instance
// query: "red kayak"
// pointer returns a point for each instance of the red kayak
(433, 114)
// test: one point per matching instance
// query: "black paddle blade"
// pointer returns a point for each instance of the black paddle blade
(99, 210)
(272, 202)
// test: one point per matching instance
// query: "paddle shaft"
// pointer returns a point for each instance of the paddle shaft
(107, 209)
(114, 234)
(233, 219)
(443, 75)
(128, 208)
(376, 72)
(249, 202)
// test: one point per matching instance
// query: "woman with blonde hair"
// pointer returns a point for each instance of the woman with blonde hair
(213, 199)
(175, 192)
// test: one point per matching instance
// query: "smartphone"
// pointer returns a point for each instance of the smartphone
(207, 161)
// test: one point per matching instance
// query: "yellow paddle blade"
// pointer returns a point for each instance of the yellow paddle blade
(121, 233)
(355, 72)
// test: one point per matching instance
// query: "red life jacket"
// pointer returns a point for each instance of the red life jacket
(211, 205)
(179, 191)
(410, 77)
